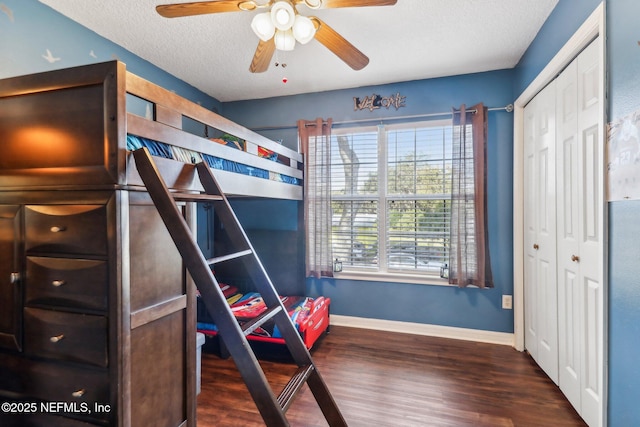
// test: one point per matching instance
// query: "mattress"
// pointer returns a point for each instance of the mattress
(167, 151)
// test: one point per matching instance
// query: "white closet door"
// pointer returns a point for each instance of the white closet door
(569, 289)
(564, 232)
(541, 336)
(530, 229)
(591, 222)
(580, 235)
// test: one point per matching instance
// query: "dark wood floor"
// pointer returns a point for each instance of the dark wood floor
(399, 380)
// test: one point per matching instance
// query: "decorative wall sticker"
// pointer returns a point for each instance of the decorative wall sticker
(623, 166)
(5, 9)
(376, 101)
(50, 58)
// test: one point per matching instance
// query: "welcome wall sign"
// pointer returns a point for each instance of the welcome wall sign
(375, 102)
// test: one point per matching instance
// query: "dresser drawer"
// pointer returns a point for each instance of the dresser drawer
(41, 420)
(29, 379)
(66, 336)
(75, 229)
(67, 282)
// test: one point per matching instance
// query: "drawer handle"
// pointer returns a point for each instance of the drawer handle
(58, 283)
(56, 229)
(56, 338)
(78, 393)
(575, 258)
(536, 246)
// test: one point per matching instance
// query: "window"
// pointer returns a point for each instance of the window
(390, 197)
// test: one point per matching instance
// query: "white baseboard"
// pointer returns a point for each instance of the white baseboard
(477, 335)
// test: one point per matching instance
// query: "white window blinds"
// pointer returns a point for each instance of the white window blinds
(390, 196)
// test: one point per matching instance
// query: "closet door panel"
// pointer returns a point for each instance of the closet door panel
(592, 363)
(545, 208)
(591, 221)
(591, 205)
(569, 235)
(531, 314)
(571, 334)
(530, 231)
(541, 331)
(547, 319)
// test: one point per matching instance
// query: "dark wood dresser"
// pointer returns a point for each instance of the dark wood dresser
(97, 315)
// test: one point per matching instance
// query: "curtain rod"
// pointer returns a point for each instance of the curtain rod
(507, 108)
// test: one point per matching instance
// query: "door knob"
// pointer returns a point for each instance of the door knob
(535, 246)
(575, 258)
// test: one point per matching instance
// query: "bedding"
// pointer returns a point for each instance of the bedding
(160, 149)
(267, 154)
(309, 315)
(229, 141)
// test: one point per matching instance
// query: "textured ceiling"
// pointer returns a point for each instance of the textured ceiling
(415, 39)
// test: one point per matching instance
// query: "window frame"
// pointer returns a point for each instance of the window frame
(384, 273)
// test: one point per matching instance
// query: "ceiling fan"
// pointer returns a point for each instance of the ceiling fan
(280, 26)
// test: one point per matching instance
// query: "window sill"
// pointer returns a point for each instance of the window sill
(392, 278)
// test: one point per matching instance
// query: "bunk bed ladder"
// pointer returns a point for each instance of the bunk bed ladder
(271, 408)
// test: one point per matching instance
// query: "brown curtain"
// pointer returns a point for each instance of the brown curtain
(315, 145)
(469, 261)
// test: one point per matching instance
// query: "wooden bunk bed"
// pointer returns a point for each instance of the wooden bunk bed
(98, 311)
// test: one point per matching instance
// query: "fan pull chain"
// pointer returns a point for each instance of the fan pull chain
(281, 64)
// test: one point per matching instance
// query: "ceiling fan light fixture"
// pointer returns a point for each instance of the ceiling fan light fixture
(284, 40)
(283, 15)
(313, 4)
(303, 29)
(247, 5)
(263, 26)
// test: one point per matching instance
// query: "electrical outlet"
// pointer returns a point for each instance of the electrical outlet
(507, 302)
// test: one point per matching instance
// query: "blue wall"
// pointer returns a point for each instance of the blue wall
(624, 312)
(438, 305)
(563, 22)
(29, 28)
(258, 214)
(624, 228)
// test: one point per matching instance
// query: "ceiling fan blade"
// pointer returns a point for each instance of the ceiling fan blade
(329, 4)
(203, 7)
(339, 45)
(262, 57)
